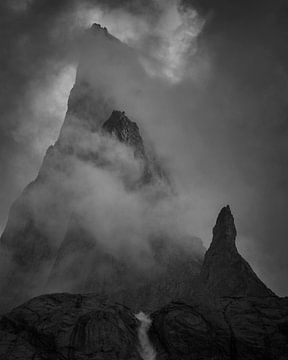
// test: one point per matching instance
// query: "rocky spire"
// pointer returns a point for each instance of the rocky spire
(224, 271)
(224, 231)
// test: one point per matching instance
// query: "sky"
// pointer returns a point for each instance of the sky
(215, 104)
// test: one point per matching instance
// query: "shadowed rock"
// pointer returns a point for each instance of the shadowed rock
(126, 131)
(224, 271)
(67, 326)
(64, 326)
(223, 329)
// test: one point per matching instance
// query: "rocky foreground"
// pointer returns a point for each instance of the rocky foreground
(252, 324)
(64, 326)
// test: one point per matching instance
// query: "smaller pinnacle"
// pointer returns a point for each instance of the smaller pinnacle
(224, 271)
(225, 227)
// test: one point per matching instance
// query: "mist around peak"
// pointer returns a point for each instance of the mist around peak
(220, 125)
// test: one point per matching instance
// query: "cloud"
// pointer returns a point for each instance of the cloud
(173, 42)
(166, 43)
(48, 104)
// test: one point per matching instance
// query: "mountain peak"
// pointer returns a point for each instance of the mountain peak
(224, 232)
(224, 271)
(97, 28)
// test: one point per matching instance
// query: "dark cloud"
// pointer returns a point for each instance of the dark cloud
(230, 141)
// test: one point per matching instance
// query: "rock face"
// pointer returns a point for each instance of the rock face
(224, 271)
(127, 132)
(67, 326)
(64, 326)
(230, 328)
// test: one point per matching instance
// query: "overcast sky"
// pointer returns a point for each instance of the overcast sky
(220, 69)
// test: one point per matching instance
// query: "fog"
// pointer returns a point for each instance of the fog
(205, 82)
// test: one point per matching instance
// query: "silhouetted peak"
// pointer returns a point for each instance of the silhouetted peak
(225, 231)
(224, 271)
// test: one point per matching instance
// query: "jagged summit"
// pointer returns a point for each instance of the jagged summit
(224, 271)
(97, 27)
(96, 32)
